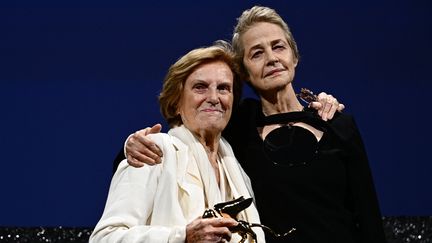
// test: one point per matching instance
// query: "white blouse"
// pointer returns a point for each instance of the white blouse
(155, 203)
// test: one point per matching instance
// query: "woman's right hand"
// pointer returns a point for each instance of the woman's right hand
(209, 230)
(141, 150)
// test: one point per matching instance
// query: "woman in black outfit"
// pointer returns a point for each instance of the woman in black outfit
(306, 172)
(324, 189)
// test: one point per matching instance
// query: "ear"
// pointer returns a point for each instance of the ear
(178, 105)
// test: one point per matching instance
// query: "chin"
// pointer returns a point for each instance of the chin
(214, 127)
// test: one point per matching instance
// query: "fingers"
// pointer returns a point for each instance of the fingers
(332, 111)
(138, 159)
(155, 129)
(141, 150)
(209, 230)
(146, 146)
(329, 106)
(134, 162)
(223, 222)
(225, 237)
(220, 227)
(316, 105)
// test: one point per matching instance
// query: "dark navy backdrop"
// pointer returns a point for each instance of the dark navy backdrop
(78, 76)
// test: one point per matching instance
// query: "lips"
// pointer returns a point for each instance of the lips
(211, 110)
(274, 71)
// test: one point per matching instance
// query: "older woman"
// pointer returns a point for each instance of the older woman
(164, 203)
(306, 173)
(319, 170)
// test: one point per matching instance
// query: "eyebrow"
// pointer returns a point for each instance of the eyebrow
(198, 81)
(258, 46)
(202, 81)
(226, 83)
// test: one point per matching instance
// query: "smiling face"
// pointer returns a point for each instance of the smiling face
(268, 58)
(207, 98)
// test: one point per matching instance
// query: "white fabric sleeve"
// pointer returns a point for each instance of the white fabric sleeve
(124, 145)
(129, 208)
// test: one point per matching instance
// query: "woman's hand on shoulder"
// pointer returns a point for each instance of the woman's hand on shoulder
(327, 106)
(141, 150)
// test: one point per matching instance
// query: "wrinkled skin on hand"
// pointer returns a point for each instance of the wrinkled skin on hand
(231, 209)
(141, 150)
(210, 230)
(325, 104)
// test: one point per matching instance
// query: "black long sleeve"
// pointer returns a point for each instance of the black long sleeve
(362, 190)
(118, 159)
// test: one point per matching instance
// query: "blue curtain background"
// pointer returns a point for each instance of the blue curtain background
(76, 77)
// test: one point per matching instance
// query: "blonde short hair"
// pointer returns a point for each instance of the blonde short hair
(250, 17)
(175, 79)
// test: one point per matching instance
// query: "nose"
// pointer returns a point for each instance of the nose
(271, 58)
(213, 97)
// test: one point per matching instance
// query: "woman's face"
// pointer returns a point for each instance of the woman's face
(268, 58)
(207, 98)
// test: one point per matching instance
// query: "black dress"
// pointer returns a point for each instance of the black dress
(328, 196)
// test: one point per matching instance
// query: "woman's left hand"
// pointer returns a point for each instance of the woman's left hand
(209, 230)
(327, 105)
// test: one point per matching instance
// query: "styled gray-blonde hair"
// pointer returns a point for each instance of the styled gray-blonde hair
(174, 81)
(250, 17)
